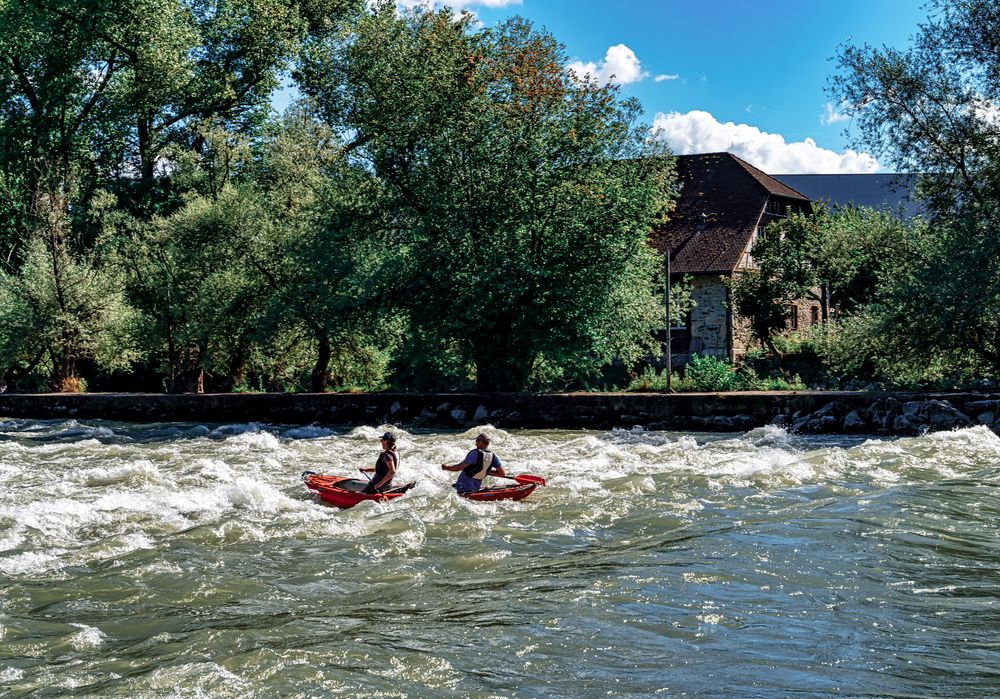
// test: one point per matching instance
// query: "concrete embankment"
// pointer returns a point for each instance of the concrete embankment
(802, 411)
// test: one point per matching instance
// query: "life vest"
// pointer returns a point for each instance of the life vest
(478, 470)
(382, 465)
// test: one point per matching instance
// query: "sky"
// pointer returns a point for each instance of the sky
(744, 76)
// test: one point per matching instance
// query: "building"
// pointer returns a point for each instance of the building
(888, 192)
(723, 205)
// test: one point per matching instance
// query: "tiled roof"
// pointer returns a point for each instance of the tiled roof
(721, 201)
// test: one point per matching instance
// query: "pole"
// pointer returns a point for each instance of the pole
(666, 294)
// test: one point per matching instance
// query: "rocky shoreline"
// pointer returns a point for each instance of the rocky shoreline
(807, 412)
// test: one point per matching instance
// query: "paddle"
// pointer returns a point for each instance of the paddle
(523, 478)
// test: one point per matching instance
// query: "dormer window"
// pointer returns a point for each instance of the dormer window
(775, 207)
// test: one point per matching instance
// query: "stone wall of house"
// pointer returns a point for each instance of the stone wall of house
(743, 338)
(808, 312)
(710, 318)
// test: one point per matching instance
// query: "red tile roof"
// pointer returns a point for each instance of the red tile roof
(721, 202)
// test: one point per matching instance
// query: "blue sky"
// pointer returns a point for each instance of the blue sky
(743, 76)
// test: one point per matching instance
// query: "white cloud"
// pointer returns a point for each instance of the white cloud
(662, 77)
(620, 65)
(700, 132)
(832, 116)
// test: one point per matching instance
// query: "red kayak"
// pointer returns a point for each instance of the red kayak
(503, 492)
(345, 492)
(525, 485)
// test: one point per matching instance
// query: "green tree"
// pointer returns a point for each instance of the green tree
(931, 108)
(325, 269)
(519, 198)
(839, 258)
(61, 309)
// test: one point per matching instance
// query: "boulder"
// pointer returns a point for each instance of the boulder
(935, 415)
(854, 423)
(458, 415)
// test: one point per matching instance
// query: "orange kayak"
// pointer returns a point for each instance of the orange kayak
(345, 492)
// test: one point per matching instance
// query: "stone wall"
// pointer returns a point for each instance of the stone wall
(806, 411)
(710, 318)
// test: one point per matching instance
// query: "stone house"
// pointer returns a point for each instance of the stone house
(723, 206)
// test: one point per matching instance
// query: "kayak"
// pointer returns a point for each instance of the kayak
(502, 492)
(345, 492)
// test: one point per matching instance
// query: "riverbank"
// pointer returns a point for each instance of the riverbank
(812, 412)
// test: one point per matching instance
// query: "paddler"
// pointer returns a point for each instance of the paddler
(385, 466)
(476, 465)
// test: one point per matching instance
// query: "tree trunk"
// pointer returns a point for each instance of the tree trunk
(189, 381)
(318, 383)
(499, 369)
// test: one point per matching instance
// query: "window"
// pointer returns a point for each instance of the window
(814, 315)
(775, 207)
(793, 317)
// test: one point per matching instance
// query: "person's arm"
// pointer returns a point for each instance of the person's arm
(469, 459)
(497, 467)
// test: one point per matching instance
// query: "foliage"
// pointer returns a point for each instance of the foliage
(711, 374)
(931, 109)
(518, 199)
(835, 257)
(59, 310)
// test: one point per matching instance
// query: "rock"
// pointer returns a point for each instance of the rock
(935, 414)
(779, 420)
(982, 406)
(395, 408)
(853, 422)
(426, 414)
(987, 418)
(480, 415)
(818, 424)
(458, 415)
(901, 424)
(443, 408)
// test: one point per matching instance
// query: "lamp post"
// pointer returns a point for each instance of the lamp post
(666, 333)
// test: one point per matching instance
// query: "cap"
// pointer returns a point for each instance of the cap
(483, 436)
(389, 437)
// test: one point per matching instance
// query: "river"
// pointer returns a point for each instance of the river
(186, 560)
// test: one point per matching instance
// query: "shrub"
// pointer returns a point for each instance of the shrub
(710, 373)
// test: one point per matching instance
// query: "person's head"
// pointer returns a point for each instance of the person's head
(388, 440)
(482, 440)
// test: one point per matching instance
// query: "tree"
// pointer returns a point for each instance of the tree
(60, 309)
(519, 197)
(932, 109)
(839, 258)
(104, 97)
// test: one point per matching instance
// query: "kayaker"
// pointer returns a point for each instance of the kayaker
(385, 466)
(476, 465)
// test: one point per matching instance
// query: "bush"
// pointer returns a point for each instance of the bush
(711, 374)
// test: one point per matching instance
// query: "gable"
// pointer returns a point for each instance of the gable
(721, 202)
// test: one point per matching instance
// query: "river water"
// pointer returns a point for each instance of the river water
(185, 560)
